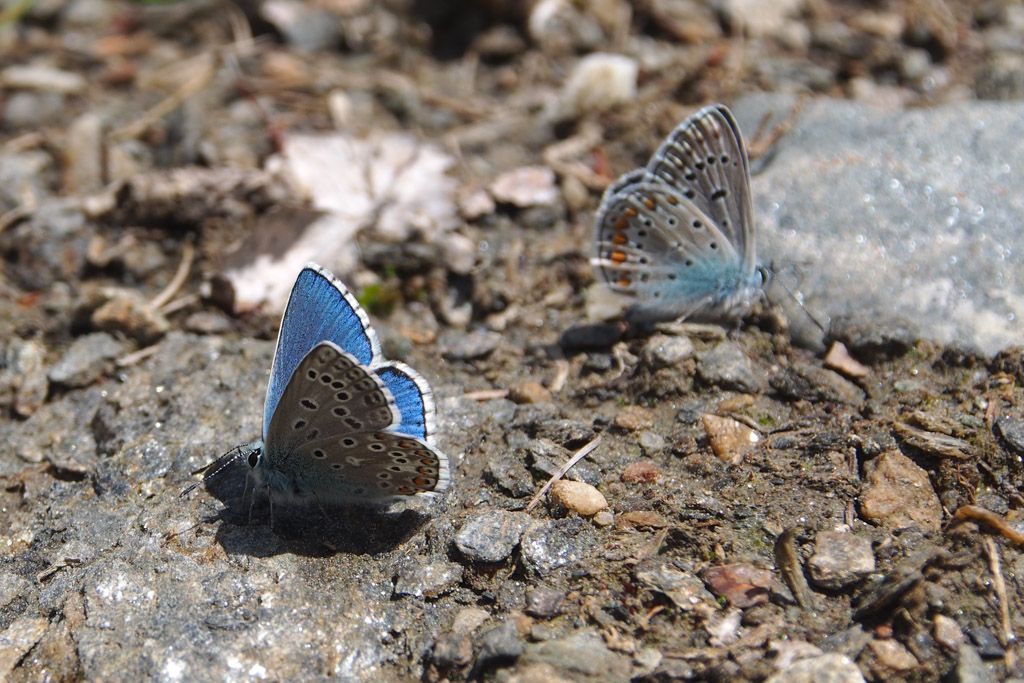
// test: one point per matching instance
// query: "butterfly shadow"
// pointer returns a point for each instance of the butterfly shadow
(250, 525)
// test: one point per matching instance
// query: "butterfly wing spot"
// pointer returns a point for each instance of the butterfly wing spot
(311, 374)
(309, 404)
(336, 465)
(299, 424)
(326, 379)
(365, 384)
(347, 442)
(720, 193)
(343, 396)
(340, 411)
(318, 453)
(354, 423)
(376, 446)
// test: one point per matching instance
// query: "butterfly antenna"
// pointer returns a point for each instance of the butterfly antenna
(770, 271)
(213, 469)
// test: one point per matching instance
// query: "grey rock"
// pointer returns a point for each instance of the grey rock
(970, 668)
(544, 602)
(1011, 430)
(499, 645)
(491, 536)
(728, 367)
(652, 443)
(49, 247)
(12, 587)
(582, 656)
(987, 643)
(429, 579)
(24, 377)
(471, 345)
(663, 351)
(816, 384)
(906, 197)
(840, 559)
(827, 668)
(684, 589)
(559, 543)
(304, 27)
(24, 176)
(509, 475)
(31, 109)
(86, 360)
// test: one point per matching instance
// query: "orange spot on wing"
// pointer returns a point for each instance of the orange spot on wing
(629, 212)
(672, 200)
(622, 223)
(619, 238)
(624, 282)
(649, 203)
(618, 256)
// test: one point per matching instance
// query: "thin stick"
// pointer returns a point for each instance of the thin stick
(486, 394)
(990, 519)
(188, 253)
(999, 584)
(577, 456)
(136, 356)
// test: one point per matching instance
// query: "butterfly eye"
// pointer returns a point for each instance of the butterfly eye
(254, 457)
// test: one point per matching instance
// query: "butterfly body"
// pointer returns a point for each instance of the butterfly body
(341, 424)
(676, 238)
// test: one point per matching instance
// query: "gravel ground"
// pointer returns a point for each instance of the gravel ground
(827, 491)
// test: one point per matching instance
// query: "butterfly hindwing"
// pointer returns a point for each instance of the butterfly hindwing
(319, 309)
(413, 399)
(330, 394)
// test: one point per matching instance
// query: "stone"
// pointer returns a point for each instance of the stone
(948, 633)
(727, 366)
(598, 82)
(430, 579)
(634, 418)
(685, 590)
(529, 392)
(897, 494)
(578, 497)
(902, 177)
(470, 346)
(730, 440)
(25, 375)
(579, 656)
(743, 585)
(664, 351)
(889, 659)
(970, 668)
(499, 645)
(491, 536)
(86, 360)
(641, 471)
(526, 186)
(543, 602)
(559, 543)
(17, 639)
(840, 559)
(827, 668)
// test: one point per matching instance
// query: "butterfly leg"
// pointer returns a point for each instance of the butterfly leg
(270, 500)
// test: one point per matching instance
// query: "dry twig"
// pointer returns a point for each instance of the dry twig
(576, 457)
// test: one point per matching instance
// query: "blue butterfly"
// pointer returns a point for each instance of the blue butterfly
(340, 423)
(677, 237)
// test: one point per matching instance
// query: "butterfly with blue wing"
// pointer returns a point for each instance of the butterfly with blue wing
(676, 238)
(340, 423)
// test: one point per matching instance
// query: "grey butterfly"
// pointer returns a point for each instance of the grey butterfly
(677, 237)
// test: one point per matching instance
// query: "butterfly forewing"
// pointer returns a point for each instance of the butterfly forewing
(330, 394)
(705, 160)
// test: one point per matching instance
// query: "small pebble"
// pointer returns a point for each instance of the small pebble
(897, 494)
(634, 418)
(840, 559)
(499, 645)
(45, 78)
(529, 392)
(470, 346)
(427, 580)
(970, 668)
(727, 366)
(557, 543)
(604, 518)
(491, 536)
(662, 350)
(730, 440)
(651, 442)
(641, 471)
(743, 585)
(839, 359)
(578, 497)
(948, 633)
(827, 668)
(891, 659)
(641, 519)
(684, 589)
(526, 186)
(475, 203)
(598, 82)
(86, 360)
(543, 602)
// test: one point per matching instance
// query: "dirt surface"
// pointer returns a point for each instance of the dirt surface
(750, 510)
